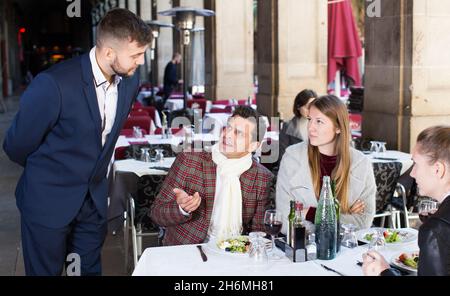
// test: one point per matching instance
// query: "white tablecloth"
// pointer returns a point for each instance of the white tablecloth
(123, 141)
(141, 168)
(404, 158)
(186, 261)
(174, 104)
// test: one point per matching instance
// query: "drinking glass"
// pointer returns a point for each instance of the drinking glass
(145, 154)
(137, 132)
(427, 208)
(382, 148)
(159, 157)
(373, 147)
(349, 239)
(272, 224)
(258, 253)
(378, 242)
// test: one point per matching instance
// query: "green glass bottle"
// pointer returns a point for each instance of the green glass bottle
(291, 224)
(325, 222)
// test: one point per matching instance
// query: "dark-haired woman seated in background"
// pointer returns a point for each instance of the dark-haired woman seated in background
(295, 130)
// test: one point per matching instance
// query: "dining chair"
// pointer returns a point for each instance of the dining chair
(386, 177)
(144, 122)
(197, 104)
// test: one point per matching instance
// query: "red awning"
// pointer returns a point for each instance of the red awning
(344, 46)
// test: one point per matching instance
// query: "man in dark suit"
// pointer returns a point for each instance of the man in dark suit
(216, 195)
(64, 136)
(170, 75)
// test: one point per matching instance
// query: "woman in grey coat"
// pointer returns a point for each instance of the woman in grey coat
(328, 153)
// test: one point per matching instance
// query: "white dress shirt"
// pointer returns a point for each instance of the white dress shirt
(106, 96)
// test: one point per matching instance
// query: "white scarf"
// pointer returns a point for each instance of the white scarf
(226, 219)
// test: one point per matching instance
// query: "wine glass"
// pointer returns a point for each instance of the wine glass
(427, 208)
(272, 224)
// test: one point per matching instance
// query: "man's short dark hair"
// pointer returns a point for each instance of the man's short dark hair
(122, 24)
(248, 112)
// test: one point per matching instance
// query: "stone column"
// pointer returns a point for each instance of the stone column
(407, 78)
(430, 89)
(229, 49)
(302, 50)
(267, 57)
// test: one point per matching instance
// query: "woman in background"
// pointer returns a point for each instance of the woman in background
(296, 130)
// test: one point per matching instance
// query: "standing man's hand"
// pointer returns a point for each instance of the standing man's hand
(188, 203)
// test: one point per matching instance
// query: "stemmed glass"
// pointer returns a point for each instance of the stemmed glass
(272, 224)
(427, 208)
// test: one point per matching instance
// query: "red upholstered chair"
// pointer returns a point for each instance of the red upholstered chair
(197, 104)
(227, 109)
(144, 122)
(139, 112)
(137, 105)
(221, 102)
(119, 153)
(244, 102)
(198, 96)
(149, 109)
(129, 132)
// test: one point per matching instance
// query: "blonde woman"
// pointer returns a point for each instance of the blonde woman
(328, 153)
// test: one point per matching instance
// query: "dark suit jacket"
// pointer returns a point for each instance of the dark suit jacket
(56, 137)
(196, 172)
(170, 78)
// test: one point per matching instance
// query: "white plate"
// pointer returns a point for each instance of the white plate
(213, 246)
(407, 235)
(397, 263)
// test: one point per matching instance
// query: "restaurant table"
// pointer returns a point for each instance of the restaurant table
(185, 260)
(123, 141)
(174, 104)
(392, 155)
(126, 174)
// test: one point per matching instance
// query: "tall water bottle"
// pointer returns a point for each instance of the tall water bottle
(325, 221)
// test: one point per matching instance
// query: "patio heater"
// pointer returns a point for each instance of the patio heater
(185, 23)
(155, 27)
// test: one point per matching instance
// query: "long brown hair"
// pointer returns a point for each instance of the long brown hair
(336, 111)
